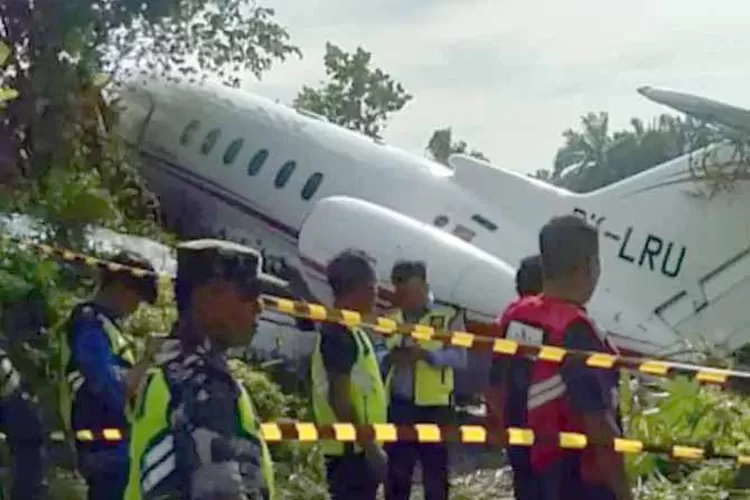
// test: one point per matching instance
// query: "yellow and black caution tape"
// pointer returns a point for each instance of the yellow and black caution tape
(307, 432)
(505, 347)
(386, 326)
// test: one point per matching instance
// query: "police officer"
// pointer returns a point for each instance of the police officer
(194, 430)
(528, 282)
(420, 382)
(550, 399)
(100, 374)
(347, 385)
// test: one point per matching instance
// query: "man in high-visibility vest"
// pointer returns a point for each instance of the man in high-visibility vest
(419, 381)
(550, 398)
(100, 374)
(194, 432)
(347, 385)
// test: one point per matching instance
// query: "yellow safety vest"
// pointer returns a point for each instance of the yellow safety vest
(72, 380)
(367, 391)
(432, 386)
(150, 438)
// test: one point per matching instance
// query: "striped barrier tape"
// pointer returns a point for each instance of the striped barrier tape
(307, 432)
(386, 326)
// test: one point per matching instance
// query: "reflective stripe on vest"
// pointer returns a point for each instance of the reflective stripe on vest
(432, 386)
(543, 320)
(152, 446)
(367, 393)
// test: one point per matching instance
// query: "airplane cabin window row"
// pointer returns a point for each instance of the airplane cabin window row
(256, 162)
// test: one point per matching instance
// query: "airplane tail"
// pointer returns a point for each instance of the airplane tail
(681, 235)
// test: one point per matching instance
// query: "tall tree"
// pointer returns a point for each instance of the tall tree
(59, 50)
(593, 157)
(356, 96)
(441, 147)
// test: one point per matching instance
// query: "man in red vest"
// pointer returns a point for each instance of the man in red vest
(549, 397)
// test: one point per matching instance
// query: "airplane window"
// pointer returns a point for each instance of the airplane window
(486, 223)
(210, 141)
(284, 174)
(189, 132)
(233, 150)
(256, 163)
(311, 185)
(441, 220)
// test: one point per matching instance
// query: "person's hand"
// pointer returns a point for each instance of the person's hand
(153, 345)
(378, 461)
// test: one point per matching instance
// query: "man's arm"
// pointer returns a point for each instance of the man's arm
(96, 363)
(585, 393)
(449, 356)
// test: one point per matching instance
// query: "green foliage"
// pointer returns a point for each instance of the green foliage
(194, 39)
(681, 412)
(356, 96)
(441, 147)
(6, 93)
(298, 466)
(593, 157)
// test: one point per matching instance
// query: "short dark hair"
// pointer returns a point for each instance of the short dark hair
(348, 270)
(145, 286)
(529, 276)
(404, 270)
(565, 243)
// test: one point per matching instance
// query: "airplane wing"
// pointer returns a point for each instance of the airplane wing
(701, 108)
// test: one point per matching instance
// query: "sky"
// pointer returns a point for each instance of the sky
(509, 76)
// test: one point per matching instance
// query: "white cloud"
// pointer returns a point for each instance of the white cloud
(510, 76)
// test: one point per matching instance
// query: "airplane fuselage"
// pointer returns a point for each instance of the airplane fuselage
(228, 163)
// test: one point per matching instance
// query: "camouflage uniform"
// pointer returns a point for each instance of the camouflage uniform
(211, 447)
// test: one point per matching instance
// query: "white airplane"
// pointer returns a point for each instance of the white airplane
(676, 265)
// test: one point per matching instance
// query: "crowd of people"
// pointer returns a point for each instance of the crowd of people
(188, 429)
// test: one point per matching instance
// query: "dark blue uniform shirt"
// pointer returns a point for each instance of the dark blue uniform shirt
(100, 403)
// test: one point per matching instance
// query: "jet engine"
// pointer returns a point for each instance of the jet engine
(458, 272)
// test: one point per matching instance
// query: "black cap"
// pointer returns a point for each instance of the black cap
(146, 286)
(200, 261)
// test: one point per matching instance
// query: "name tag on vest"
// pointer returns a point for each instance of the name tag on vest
(521, 332)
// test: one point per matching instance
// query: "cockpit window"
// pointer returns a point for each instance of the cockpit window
(233, 150)
(189, 131)
(210, 141)
(484, 222)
